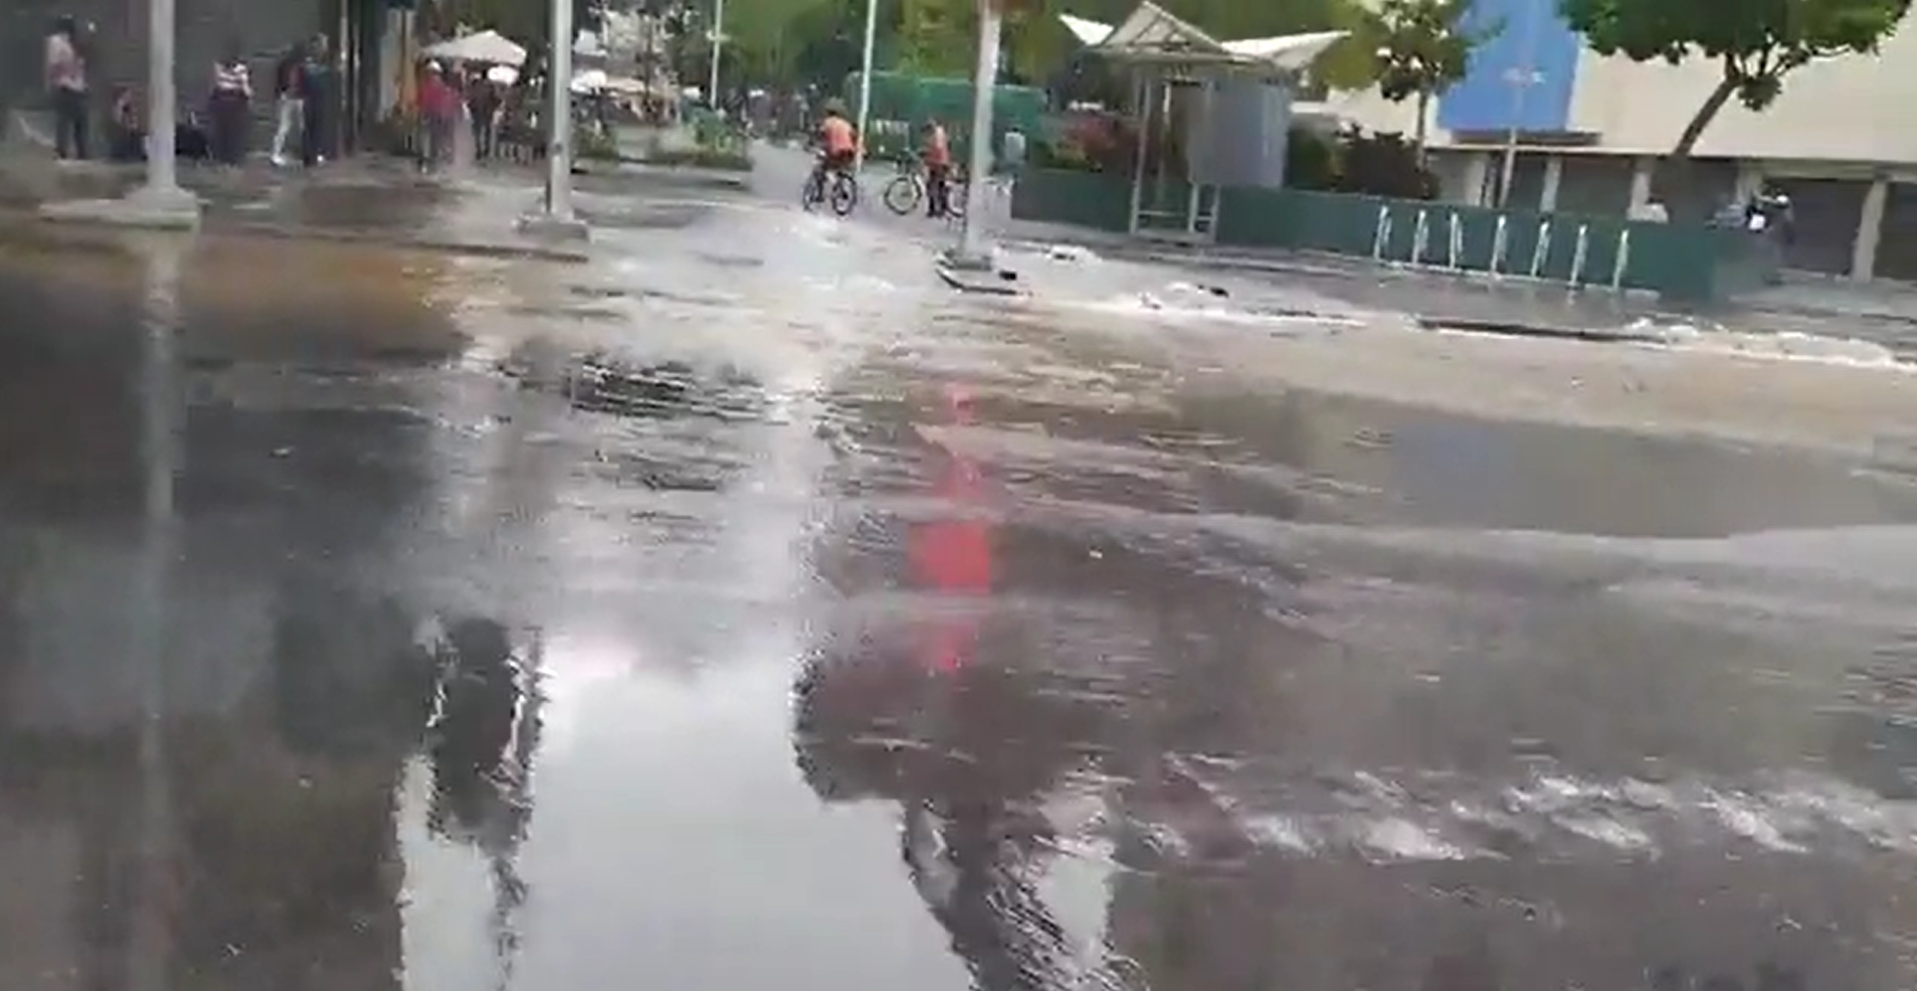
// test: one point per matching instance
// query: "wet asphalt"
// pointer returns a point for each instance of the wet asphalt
(744, 609)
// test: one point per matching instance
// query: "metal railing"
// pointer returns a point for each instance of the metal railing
(1454, 258)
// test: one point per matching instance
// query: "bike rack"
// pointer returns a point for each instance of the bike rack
(1500, 244)
(1420, 237)
(1623, 261)
(1456, 241)
(1579, 255)
(1381, 234)
(1541, 251)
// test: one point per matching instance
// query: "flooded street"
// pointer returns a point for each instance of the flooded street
(744, 608)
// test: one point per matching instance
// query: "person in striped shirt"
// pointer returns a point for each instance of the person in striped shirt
(230, 107)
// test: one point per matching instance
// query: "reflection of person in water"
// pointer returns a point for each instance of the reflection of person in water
(364, 693)
(987, 744)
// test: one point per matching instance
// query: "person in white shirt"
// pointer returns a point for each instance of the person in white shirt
(230, 106)
(66, 79)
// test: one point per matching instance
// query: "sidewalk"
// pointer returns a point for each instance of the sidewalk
(1433, 300)
(1879, 311)
(369, 199)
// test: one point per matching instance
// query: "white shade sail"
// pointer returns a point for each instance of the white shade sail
(486, 47)
(1152, 34)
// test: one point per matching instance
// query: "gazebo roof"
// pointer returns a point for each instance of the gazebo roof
(1153, 34)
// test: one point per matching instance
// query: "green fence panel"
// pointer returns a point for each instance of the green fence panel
(1256, 217)
(1680, 262)
(1083, 199)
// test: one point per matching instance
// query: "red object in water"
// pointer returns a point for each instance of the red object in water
(954, 556)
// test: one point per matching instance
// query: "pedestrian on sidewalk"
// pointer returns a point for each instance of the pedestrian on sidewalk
(126, 135)
(66, 79)
(229, 107)
(482, 103)
(289, 106)
(937, 154)
(316, 92)
(438, 114)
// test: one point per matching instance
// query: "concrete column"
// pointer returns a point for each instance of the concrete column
(1477, 178)
(1870, 228)
(1641, 176)
(1553, 178)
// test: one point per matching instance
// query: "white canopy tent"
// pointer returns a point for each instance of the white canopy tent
(1166, 52)
(483, 47)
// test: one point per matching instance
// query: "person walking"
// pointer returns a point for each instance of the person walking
(66, 79)
(937, 158)
(438, 106)
(482, 103)
(229, 107)
(289, 106)
(316, 91)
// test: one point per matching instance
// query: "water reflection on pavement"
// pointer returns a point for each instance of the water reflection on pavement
(747, 612)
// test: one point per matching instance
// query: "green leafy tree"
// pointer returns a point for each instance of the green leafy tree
(1755, 43)
(1423, 49)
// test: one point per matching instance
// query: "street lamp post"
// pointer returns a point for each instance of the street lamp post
(972, 252)
(1520, 78)
(865, 83)
(162, 176)
(718, 43)
(558, 219)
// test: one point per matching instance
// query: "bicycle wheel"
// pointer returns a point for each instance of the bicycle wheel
(955, 202)
(903, 194)
(845, 195)
(813, 193)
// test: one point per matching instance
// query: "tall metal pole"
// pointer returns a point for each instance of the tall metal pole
(718, 44)
(162, 177)
(971, 249)
(865, 82)
(1522, 77)
(559, 147)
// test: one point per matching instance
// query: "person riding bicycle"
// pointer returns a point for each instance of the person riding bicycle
(838, 143)
(936, 153)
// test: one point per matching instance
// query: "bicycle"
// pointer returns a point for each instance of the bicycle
(843, 193)
(908, 190)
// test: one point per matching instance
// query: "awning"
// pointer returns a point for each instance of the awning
(1153, 34)
(484, 47)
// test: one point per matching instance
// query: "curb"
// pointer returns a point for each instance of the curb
(1514, 328)
(524, 251)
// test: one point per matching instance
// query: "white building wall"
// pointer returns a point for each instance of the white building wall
(1845, 109)
(1851, 109)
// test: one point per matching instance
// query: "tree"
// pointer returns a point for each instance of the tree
(1423, 50)
(1755, 44)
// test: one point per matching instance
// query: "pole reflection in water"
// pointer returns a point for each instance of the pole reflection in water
(160, 460)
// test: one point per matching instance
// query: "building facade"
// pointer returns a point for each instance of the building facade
(1590, 131)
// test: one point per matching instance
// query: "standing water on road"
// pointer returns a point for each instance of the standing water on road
(744, 609)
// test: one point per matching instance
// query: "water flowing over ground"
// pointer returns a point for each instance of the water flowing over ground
(743, 608)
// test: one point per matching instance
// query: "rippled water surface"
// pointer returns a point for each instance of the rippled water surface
(743, 609)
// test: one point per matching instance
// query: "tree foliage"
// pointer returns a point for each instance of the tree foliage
(1755, 43)
(1423, 48)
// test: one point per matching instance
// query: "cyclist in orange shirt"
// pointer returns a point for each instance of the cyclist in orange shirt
(839, 143)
